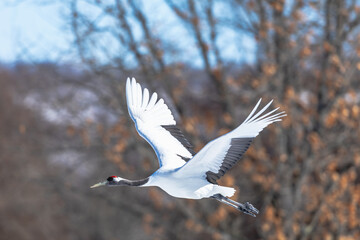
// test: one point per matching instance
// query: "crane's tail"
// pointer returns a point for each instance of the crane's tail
(224, 191)
(246, 208)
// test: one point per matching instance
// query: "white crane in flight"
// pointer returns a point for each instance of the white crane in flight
(184, 173)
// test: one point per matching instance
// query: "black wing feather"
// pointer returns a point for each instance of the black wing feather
(238, 147)
(176, 132)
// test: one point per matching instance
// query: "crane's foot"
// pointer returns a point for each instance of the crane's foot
(246, 208)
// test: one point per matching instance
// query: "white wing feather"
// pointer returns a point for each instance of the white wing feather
(149, 116)
(210, 157)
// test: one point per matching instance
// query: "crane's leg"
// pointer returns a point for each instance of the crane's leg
(246, 208)
(247, 205)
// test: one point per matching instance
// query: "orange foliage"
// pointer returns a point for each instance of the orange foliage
(269, 69)
(147, 221)
(85, 137)
(218, 216)
(22, 129)
(155, 198)
(70, 131)
(315, 140)
(306, 51)
(193, 226)
(120, 146)
(228, 180)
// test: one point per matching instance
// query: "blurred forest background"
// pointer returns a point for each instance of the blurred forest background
(65, 126)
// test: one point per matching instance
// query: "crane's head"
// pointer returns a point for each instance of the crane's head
(110, 181)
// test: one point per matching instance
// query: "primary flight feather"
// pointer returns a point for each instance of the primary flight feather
(182, 173)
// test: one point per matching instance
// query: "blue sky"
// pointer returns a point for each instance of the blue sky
(29, 30)
(37, 32)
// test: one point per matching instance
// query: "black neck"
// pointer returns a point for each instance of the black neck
(134, 183)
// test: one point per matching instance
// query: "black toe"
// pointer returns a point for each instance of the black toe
(251, 208)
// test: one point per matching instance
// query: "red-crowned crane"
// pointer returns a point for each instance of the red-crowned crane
(184, 173)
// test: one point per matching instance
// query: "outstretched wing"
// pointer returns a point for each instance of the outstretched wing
(221, 154)
(155, 123)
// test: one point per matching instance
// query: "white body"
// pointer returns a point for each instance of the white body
(175, 176)
(191, 187)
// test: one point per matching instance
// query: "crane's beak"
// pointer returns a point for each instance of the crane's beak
(98, 184)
